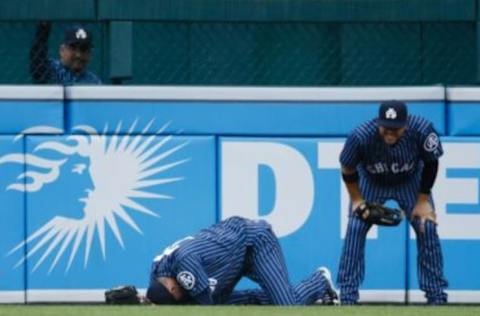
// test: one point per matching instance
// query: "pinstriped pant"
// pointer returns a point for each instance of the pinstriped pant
(306, 293)
(266, 266)
(429, 261)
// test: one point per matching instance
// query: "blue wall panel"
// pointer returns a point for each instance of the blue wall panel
(145, 189)
(12, 282)
(121, 173)
(457, 202)
(240, 118)
(295, 184)
(464, 118)
(17, 116)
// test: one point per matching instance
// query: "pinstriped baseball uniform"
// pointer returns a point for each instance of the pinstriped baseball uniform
(209, 265)
(391, 172)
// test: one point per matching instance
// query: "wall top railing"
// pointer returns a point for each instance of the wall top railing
(242, 10)
(14, 92)
(198, 93)
(463, 94)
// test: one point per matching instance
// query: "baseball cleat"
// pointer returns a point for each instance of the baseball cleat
(330, 297)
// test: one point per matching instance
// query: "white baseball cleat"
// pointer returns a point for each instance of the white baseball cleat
(331, 296)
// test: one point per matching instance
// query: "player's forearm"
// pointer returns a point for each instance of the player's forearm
(354, 192)
(429, 174)
(350, 178)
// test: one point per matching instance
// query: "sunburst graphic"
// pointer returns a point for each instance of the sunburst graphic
(123, 169)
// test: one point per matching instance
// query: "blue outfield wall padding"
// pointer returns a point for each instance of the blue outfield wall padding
(463, 111)
(138, 194)
(239, 118)
(37, 109)
(17, 117)
(456, 195)
(12, 225)
(295, 184)
(266, 153)
(270, 177)
(245, 111)
(464, 118)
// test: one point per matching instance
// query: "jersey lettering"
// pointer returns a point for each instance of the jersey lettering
(395, 168)
(212, 283)
(171, 249)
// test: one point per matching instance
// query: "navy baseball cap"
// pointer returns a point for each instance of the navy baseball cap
(157, 293)
(78, 36)
(392, 114)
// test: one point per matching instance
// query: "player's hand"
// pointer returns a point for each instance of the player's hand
(423, 210)
(356, 204)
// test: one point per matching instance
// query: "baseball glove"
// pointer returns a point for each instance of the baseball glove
(375, 213)
(122, 295)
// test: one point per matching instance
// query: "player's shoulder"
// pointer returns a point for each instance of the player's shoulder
(418, 124)
(365, 131)
(188, 249)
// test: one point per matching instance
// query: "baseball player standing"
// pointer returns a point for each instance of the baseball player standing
(204, 269)
(394, 156)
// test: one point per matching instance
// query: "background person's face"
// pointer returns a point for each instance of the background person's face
(75, 57)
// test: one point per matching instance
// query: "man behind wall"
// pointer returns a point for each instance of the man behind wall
(75, 54)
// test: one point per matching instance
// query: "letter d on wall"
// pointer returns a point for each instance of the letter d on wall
(294, 185)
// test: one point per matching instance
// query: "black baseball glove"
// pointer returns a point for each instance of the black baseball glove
(375, 213)
(122, 295)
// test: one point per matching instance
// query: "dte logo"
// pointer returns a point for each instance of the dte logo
(456, 192)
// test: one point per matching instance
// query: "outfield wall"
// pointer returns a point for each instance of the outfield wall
(95, 181)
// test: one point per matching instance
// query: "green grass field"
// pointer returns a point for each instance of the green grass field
(100, 310)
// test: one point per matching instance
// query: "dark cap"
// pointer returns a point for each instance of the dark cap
(78, 35)
(157, 293)
(392, 114)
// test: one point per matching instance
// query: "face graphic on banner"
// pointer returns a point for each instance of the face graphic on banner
(122, 171)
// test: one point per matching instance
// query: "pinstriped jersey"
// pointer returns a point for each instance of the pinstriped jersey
(213, 260)
(386, 164)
